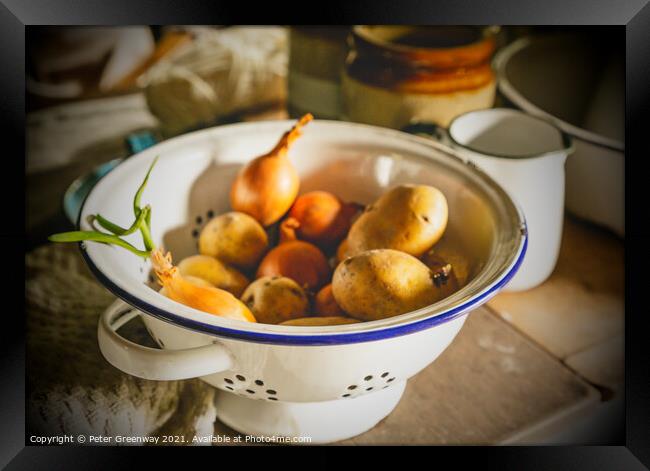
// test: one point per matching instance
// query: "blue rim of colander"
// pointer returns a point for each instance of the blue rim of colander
(315, 339)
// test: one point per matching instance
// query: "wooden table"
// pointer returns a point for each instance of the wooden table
(523, 368)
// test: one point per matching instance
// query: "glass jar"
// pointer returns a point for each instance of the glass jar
(398, 75)
(316, 59)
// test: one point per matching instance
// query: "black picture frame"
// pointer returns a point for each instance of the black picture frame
(633, 15)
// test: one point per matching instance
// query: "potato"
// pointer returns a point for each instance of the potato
(319, 321)
(409, 218)
(382, 283)
(445, 252)
(444, 275)
(235, 239)
(213, 271)
(275, 299)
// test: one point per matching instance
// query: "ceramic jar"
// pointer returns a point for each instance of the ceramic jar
(396, 75)
(316, 59)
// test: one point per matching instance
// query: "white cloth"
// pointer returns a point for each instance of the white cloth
(220, 72)
(59, 135)
(72, 389)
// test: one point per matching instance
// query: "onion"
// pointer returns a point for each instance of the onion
(322, 217)
(341, 252)
(267, 187)
(301, 261)
(325, 305)
(196, 295)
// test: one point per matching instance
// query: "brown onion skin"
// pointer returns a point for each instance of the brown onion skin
(267, 187)
(301, 261)
(325, 305)
(341, 251)
(323, 218)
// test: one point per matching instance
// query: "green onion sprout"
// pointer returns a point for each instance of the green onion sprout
(115, 232)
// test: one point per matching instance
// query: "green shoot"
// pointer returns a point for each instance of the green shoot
(117, 230)
(142, 223)
(80, 236)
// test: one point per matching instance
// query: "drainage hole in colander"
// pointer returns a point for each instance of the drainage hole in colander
(271, 391)
(250, 391)
(240, 378)
(369, 389)
(199, 219)
(195, 233)
(210, 214)
(228, 380)
(383, 375)
(272, 398)
(259, 382)
(231, 389)
(346, 395)
(390, 379)
(352, 386)
(367, 378)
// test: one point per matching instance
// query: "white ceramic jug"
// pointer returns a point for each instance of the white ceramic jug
(526, 156)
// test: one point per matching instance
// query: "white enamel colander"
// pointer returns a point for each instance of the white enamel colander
(325, 383)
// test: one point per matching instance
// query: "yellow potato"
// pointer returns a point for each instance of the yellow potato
(235, 239)
(275, 299)
(318, 321)
(444, 274)
(409, 218)
(213, 271)
(446, 252)
(383, 283)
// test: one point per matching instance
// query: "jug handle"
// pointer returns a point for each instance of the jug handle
(152, 363)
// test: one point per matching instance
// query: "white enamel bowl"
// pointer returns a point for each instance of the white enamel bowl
(578, 85)
(327, 383)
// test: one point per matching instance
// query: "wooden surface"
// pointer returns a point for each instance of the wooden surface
(580, 308)
(489, 384)
(528, 362)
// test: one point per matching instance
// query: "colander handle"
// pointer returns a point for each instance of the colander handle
(152, 363)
